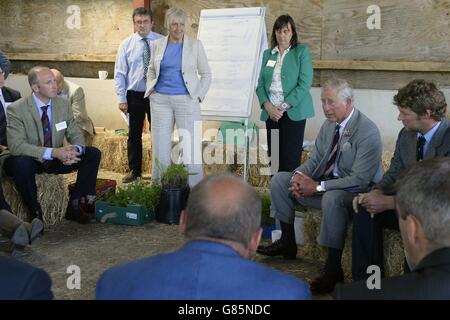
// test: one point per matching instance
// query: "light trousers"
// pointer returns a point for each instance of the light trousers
(185, 113)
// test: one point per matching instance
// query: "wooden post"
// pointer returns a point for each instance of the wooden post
(141, 3)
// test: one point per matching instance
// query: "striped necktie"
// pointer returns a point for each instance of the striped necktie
(420, 144)
(47, 128)
(146, 57)
(332, 158)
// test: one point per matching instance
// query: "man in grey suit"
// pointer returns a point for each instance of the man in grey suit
(37, 126)
(423, 207)
(75, 94)
(346, 159)
(426, 134)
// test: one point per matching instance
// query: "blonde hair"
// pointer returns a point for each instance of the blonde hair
(175, 14)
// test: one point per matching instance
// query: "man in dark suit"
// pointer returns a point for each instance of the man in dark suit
(21, 281)
(346, 160)
(423, 207)
(426, 134)
(222, 225)
(37, 126)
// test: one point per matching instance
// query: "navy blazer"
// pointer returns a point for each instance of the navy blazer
(201, 270)
(22, 281)
(10, 95)
(430, 280)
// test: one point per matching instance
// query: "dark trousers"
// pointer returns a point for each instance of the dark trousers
(137, 108)
(290, 141)
(23, 170)
(367, 241)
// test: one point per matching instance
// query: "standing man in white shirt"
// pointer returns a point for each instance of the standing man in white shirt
(130, 74)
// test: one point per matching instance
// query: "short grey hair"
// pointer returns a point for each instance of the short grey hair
(175, 14)
(33, 74)
(424, 192)
(209, 214)
(343, 88)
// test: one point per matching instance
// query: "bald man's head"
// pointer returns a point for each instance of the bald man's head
(59, 79)
(223, 207)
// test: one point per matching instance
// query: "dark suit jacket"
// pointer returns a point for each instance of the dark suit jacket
(405, 153)
(430, 280)
(22, 281)
(10, 95)
(201, 270)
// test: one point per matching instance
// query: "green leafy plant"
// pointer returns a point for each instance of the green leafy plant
(266, 219)
(175, 176)
(139, 193)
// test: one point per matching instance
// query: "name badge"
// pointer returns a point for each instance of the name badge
(271, 63)
(60, 126)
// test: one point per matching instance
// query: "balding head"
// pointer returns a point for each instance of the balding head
(223, 207)
(59, 79)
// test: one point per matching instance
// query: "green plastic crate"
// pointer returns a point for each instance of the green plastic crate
(132, 215)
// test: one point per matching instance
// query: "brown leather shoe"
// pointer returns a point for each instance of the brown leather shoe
(77, 215)
(278, 249)
(130, 177)
(326, 282)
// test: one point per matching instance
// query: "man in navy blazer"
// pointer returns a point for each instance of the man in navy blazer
(22, 281)
(423, 208)
(222, 226)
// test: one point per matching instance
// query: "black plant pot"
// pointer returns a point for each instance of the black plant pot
(171, 202)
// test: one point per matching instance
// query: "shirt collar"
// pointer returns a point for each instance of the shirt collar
(344, 123)
(146, 37)
(429, 135)
(39, 103)
(276, 50)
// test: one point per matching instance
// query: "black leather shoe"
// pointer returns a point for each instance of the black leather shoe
(77, 214)
(130, 177)
(278, 249)
(326, 282)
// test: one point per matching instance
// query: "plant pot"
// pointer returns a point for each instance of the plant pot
(171, 202)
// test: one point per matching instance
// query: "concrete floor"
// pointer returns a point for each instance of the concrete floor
(96, 247)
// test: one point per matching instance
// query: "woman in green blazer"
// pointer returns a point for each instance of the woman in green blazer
(283, 92)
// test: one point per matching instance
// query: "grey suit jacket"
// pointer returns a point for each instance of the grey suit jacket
(75, 94)
(194, 63)
(358, 158)
(25, 133)
(430, 280)
(405, 153)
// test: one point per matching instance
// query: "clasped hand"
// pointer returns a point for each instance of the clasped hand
(302, 186)
(68, 155)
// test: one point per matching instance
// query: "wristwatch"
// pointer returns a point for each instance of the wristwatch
(319, 188)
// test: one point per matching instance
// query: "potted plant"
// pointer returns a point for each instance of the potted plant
(174, 193)
(133, 205)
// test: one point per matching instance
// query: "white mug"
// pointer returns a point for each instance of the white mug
(102, 75)
(276, 234)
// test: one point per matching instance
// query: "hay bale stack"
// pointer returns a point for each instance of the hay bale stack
(114, 151)
(386, 160)
(393, 247)
(53, 195)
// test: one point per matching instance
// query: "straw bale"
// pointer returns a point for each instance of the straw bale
(53, 196)
(114, 151)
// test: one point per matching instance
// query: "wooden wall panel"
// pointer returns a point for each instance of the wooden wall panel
(411, 30)
(40, 26)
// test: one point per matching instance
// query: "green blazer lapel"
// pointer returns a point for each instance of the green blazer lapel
(56, 118)
(437, 140)
(272, 56)
(36, 117)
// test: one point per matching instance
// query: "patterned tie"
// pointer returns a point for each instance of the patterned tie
(3, 140)
(420, 144)
(332, 158)
(46, 127)
(146, 57)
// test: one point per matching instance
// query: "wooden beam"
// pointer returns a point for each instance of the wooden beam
(417, 66)
(405, 66)
(61, 57)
